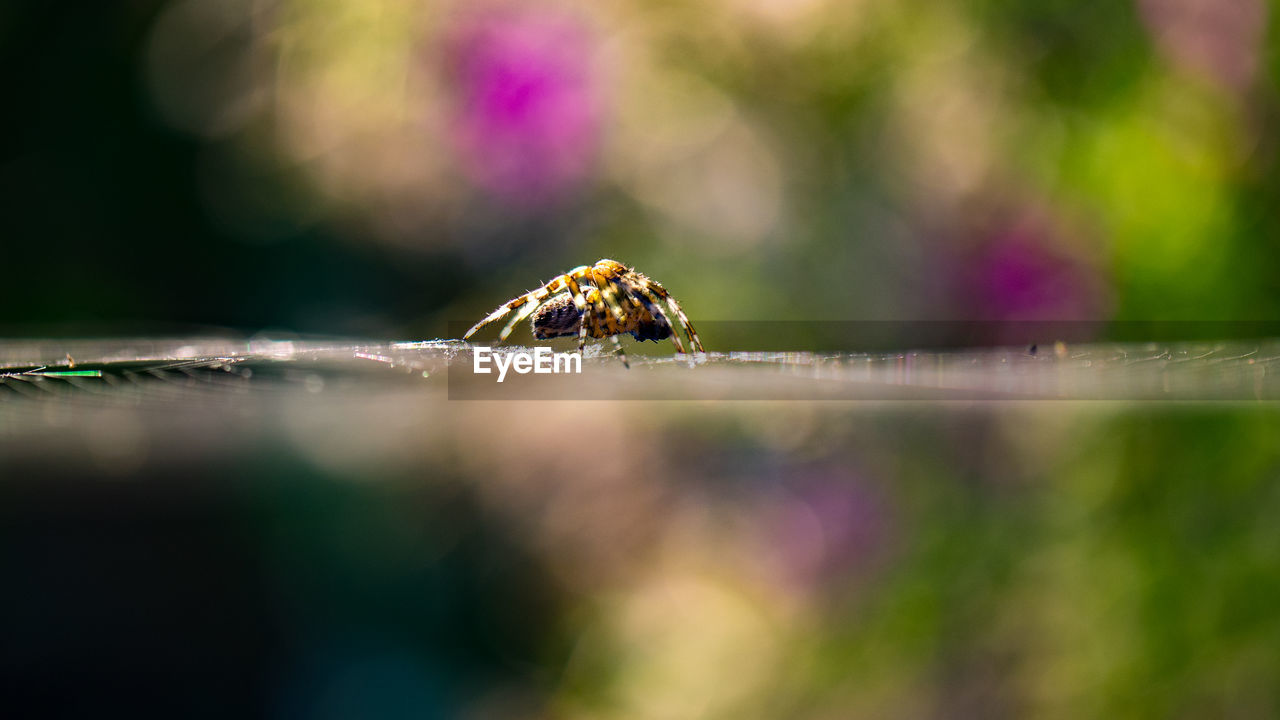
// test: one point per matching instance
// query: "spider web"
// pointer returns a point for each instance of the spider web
(110, 401)
(200, 370)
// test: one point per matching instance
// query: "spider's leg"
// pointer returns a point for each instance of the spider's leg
(495, 316)
(622, 354)
(684, 319)
(535, 300)
(500, 313)
(604, 322)
(608, 313)
(694, 342)
(529, 308)
(579, 302)
(606, 282)
(654, 306)
(528, 302)
(599, 323)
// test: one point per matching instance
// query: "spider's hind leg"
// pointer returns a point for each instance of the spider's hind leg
(539, 297)
(622, 354)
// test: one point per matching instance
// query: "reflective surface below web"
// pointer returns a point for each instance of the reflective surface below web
(202, 369)
(116, 404)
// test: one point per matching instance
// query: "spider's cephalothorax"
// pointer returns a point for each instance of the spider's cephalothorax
(602, 301)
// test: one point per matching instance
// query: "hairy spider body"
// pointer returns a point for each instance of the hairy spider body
(559, 317)
(604, 300)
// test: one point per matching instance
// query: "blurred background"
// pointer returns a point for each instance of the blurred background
(381, 169)
(378, 169)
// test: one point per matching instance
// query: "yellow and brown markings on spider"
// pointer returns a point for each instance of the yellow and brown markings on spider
(604, 300)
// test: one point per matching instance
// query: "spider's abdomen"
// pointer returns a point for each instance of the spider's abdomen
(558, 317)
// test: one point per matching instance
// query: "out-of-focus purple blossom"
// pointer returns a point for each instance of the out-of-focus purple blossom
(1019, 275)
(1219, 39)
(831, 525)
(527, 118)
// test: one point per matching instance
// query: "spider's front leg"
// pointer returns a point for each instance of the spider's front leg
(529, 302)
(609, 285)
(654, 306)
(654, 289)
(579, 302)
(694, 340)
(605, 326)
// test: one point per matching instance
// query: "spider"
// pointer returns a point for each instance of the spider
(603, 300)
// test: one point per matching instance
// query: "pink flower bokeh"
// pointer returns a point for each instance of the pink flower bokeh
(1019, 273)
(834, 526)
(526, 121)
